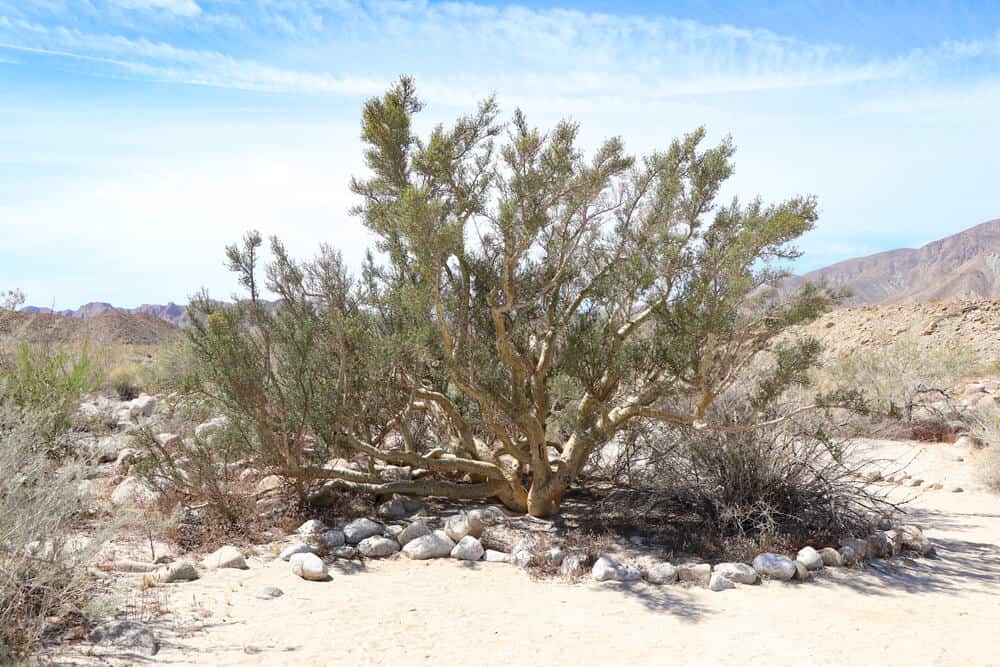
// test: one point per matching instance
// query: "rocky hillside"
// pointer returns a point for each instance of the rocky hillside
(963, 266)
(173, 313)
(108, 327)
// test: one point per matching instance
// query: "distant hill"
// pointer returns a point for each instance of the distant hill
(962, 266)
(109, 326)
(171, 312)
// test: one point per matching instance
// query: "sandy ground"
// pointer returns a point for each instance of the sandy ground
(943, 611)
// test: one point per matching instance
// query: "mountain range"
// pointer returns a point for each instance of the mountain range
(965, 265)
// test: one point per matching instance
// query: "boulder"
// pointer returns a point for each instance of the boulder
(142, 406)
(435, 545)
(345, 552)
(309, 566)
(290, 551)
(913, 539)
(399, 507)
(810, 558)
(491, 556)
(574, 565)
(331, 539)
(774, 566)
(377, 546)
(107, 449)
(126, 459)
(661, 573)
(487, 516)
(130, 635)
(269, 484)
(694, 573)
(522, 554)
(269, 593)
(182, 570)
(801, 571)
(460, 525)
(608, 568)
(895, 541)
(554, 557)
(860, 547)
(717, 582)
(831, 557)
(412, 532)
(468, 548)
(848, 556)
(360, 529)
(225, 557)
(311, 527)
(133, 492)
(879, 545)
(738, 573)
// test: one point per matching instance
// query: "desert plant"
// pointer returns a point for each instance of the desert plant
(531, 305)
(124, 381)
(986, 432)
(41, 566)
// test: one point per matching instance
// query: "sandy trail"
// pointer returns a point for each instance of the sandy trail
(943, 611)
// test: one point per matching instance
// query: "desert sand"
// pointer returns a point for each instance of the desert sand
(940, 611)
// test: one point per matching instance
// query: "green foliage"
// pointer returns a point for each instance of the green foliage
(125, 382)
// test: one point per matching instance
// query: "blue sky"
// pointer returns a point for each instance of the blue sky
(138, 137)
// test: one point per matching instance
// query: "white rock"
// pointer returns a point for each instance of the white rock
(661, 573)
(269, 593)
(522, 554)
(132, 636)
(344, 552)
(468, 548)
(311, 527)
(460, 525)
(720, 583)
(774, 566)
(848, 556)
(331, 539)
(608, 568)
(696, 573)
(491, 556)
(412, 532)
(309, 566)
(912, 538)
(182, 570)
(810, 558)
(377, 546)
(554, 557)
(226, 557)
(359, 529)
(142, 406)
(290, 551)
(435, 545)
(400, 507)
(801, 571)
(831, 557)
(269, 484)
(133, 492)
(860, 547)
(738, 573)
(206, 430)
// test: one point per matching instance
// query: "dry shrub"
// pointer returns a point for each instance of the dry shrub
(42, 568)
(986, 430)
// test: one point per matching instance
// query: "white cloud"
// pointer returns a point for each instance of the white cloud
(179, 7)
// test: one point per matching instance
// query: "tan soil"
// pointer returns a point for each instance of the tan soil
(941, 611)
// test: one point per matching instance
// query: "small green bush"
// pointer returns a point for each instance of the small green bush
(124, 381)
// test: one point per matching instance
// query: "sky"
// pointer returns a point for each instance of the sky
(139, 137)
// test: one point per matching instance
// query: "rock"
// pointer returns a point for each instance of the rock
(206, 430)
(810, 558)
(661, 573)
(574, 565)
(127, 565)
(435, 545)
(311, 527)
(269, 484)
(608, 568)
(491, 556)
(395, 473)
(126, 459)
(412, 532)
(895, 541)
(345, 552)
(225, 557)
(392, 531)
(331, 539)
(269, 593)
(696, 573)
(554, 557)
(879, 545)
(956, 489)
(968, 441)
(460, 525)
(738, 573)
(487, 516)
(309, 566)
(719, 583)
(133, 492)
(399, 507)
(107, 449)
(522, 554)
(912, 538)
(873, 476)
(360, 529)
(915, 482)
(182, 570)
(860, 547)
(831, 557)
(142, 406)
(377, 546)
(290, 551)
(801, 571)
(848, 556)
(774, 566)
(130, 635)
(468, 548)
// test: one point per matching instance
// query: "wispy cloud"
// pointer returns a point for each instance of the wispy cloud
(179, 7)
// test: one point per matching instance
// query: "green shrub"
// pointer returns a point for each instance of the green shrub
(124, 381)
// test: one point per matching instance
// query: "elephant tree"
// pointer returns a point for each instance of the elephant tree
(531, 303)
